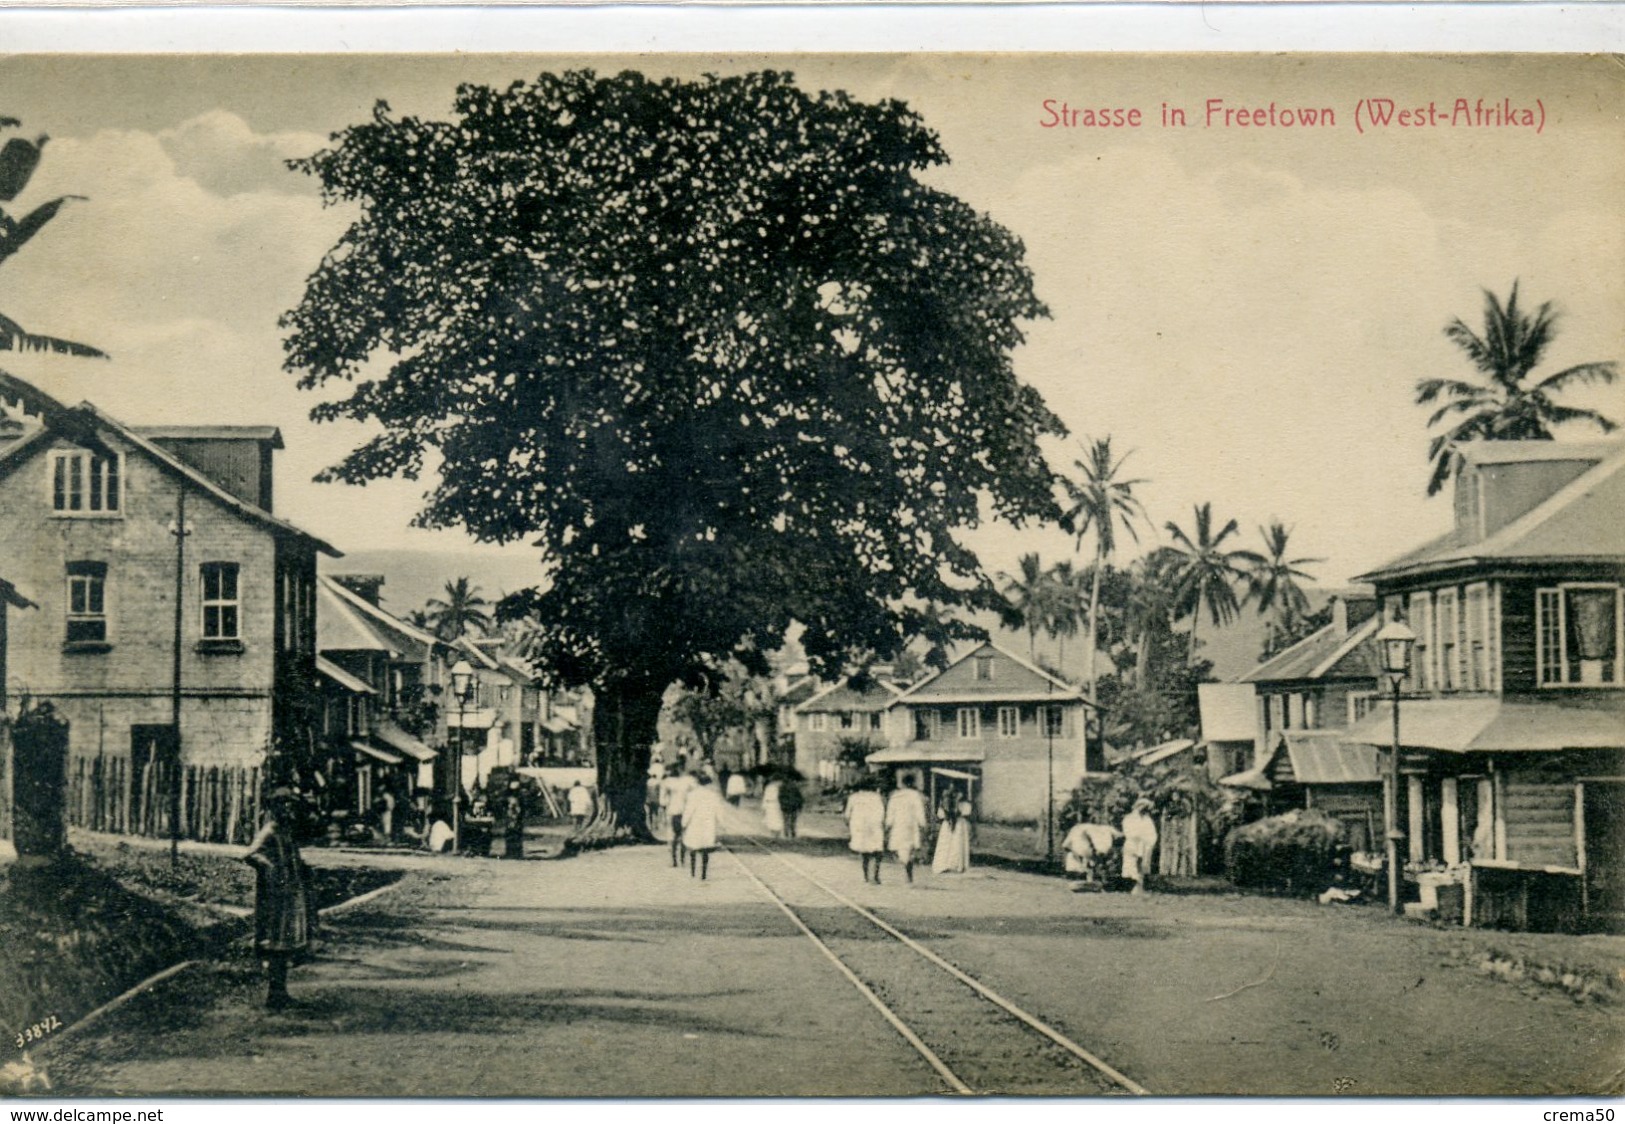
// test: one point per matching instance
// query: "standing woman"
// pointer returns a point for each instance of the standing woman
(952, 855)
(701, 814)
(282, 909)
(791, 798)
(772, 813)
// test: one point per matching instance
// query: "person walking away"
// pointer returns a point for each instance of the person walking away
(1139, 843)
(738, 785)
(1085, 847)
(513, 821)
(791, 799)
(682, 786)
(651, 789)
(866, 823)
(580, 804)
(772, 811)
(701, 813)
(282, 909)
(952, 855)
(905, 825)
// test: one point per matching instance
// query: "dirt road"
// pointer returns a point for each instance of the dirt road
(612, 974)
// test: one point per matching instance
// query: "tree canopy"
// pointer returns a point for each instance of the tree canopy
(713, 346)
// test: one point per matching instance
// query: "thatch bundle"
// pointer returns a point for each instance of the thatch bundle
(1296, 852)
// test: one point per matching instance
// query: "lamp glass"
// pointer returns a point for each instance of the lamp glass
(462, 676)
(1396, 641)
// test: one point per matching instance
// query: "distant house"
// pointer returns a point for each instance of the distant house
(105, 524)
(1512, 721)
(380, 681)
(850, 712)
(1229, 715)
(994, 727)
(1306, 697)
(789, 692)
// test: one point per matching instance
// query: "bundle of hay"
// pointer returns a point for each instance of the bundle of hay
(1294, 853)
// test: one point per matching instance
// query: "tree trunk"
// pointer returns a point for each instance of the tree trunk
(1196, 619)
(626, 715)
(1094, 624)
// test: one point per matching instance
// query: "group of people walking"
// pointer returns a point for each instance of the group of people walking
(876, 823)
(688, 804)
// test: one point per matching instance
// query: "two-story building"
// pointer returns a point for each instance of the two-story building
(1306, 697)
(176, 612)
(1512, 720)
(380, 680)
(851, 712)
(996, 728)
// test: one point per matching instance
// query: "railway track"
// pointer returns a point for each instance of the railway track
(977, 1041)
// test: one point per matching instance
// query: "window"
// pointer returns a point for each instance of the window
(1421, 678)
(1055, 721)
(87, 603)
(970, 722)
(1311, 712)
(221, 607)
(1360, 706)
(82, 483)
(1475, 628)
(874, 721)
(925, 725)
(846, 719)
(815, 722)
(1009, 722)
(1578, 628)
(1450, 676)
(984, 669)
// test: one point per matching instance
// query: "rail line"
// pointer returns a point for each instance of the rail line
(1065, 1052)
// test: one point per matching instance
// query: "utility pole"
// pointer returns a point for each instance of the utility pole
(180, 531)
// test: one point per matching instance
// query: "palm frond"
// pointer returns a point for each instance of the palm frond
(14, 235)
(1583, 374)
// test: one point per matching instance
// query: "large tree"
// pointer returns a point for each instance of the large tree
(1101, 501)
(714, 346)
(1508, 401)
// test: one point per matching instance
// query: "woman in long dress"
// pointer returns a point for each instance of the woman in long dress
(952, 855)
(281, 896)
(702, 813)
(772, 814)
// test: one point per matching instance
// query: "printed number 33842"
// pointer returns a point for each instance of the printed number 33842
(37, 1031)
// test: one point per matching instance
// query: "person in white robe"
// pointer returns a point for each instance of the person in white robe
(866, 822)
(1139, 843)
(905, 824)
(772, 814)
(952, 855)
(702, 815)
(1086, 846)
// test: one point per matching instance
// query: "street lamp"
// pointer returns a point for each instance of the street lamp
(462, 688)
(1395, 642)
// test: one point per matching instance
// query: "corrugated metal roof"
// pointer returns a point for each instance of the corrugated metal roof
(397, 738)
(1494, 725)
(1328, 757)
(339, 628)
(343, 678)
(924, 752)
(1578, 521)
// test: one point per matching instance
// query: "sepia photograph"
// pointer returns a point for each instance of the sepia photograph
(812, 575)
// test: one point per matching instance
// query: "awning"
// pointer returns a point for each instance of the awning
(398, 739)
(376, 753)
(920, 754)
(1493, 726)
(482, 719)
(1249, 778)
(1163, 751)
(558, 724)
(343, 678)
(955, 774)
(1331, 758)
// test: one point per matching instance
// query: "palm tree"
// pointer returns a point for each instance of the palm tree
(1273, 579)
(18, 159)
(463, 608)
(1067, 605)
(1507, 402)
(1027, 597)
(1206, 574)
(1101, 502)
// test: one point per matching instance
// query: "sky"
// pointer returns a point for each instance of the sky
(1246, 308)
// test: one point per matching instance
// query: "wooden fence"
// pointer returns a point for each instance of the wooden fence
(219, 803)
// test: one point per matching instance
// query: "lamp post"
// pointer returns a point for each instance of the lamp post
(1395, 641)
(180, 530)
(462, 686)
